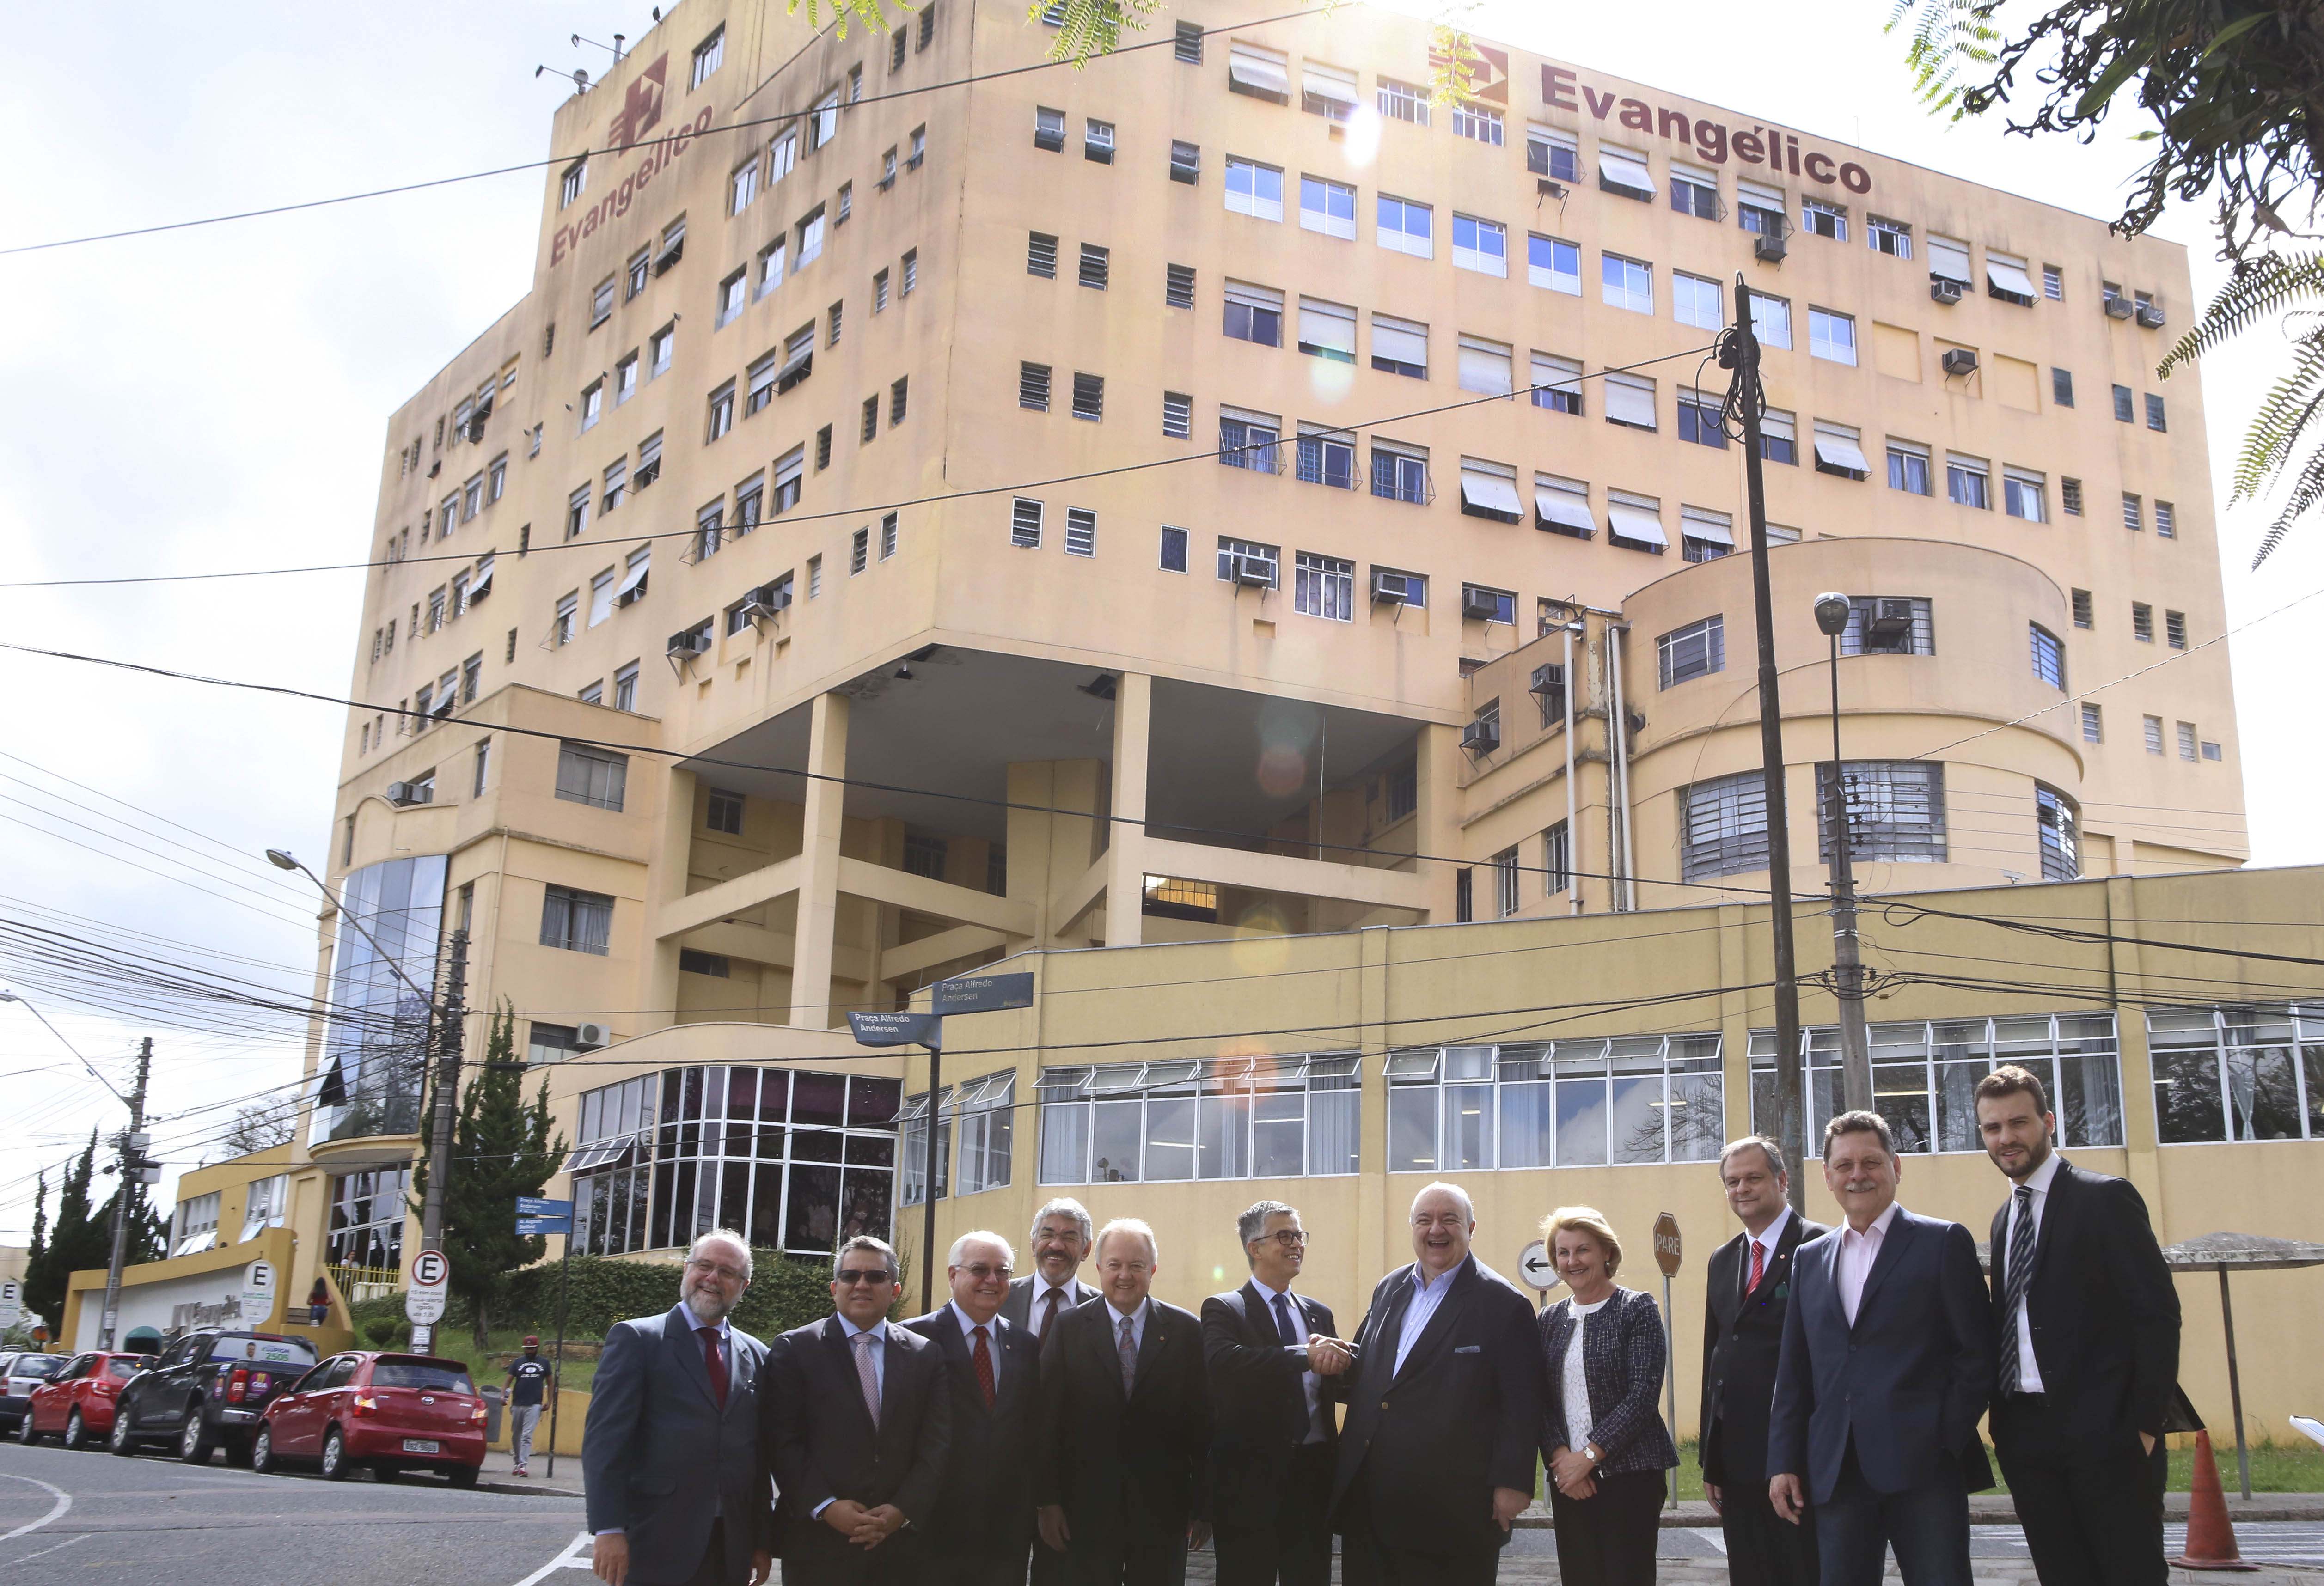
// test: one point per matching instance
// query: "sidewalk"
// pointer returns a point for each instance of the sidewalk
(499, 1475)
(1991, 1509)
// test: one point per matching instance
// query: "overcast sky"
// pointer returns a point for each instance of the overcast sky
(217, 397)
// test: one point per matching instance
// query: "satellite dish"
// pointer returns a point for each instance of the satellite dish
(580, 80)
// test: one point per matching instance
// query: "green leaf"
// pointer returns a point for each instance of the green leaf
(2097, 94)
(2236, 30)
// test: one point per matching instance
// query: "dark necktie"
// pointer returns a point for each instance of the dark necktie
(2020, 1277)
(1758, 1265)
(1283, 1324)
(983, 1368)
(1049, 1303)
(715, 1361)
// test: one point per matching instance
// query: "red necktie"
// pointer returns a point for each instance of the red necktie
(983, 1368)
(717, 1362)
(1758, 1265)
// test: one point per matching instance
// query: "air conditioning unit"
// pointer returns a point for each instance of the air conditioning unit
(1891, 625)
(1768, 249)
(435, 467)
(670, 257)
(1944, 288)
(1482, 737)
(1549, 680)
(763, 602)
(2120, 308)
(1959, 361)
(1481, 605)
(2150, 317)
(1254, 572)
(694, 641)
(404, 795)
(1391, 588)
(589, 1038)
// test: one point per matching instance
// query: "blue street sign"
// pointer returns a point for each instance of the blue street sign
(897, 1029)
(983, 993)
(531, 1227)
(534, 1206)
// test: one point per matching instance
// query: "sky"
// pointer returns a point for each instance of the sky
(215, 398)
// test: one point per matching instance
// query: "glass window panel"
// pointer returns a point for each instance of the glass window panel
(871, 1102)
(1334, 1111)
(818, 1098)
(1956, 1087)
(1581, 1121)
(2187, 1105)
(774, 1096)
(1698, 1109)
(2088, 1097)
(1635, 1118)
(1065, 1142)
(766, 1207)
(2263, 1093)
(1412, 1128)
(1279, 1131)
(1222, 1138)
(734, 1195)
(2311, 1060)
(811, 1218)
(1468, 1122)
(824, 1145)
(1468, 1063)
(1169, 1139)
(1526, 1138)
(1114, 1142)
(865, 1204)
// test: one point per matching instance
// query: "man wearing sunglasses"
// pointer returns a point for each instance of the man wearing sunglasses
(671, 1453)
(856, 1428)
(983, 1520)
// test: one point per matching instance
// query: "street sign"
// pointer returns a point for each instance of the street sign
(12, 1303)
(897, 1029)
(983, 993)
(1536, 1268)
(533, 1227)
(258, 1293)
(534, 1206)
(1666, 1247)
(431, 1278)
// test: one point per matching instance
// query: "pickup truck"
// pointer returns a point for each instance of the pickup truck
(204, 1392)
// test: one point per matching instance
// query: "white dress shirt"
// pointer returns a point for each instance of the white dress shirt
(1426, 1295)
(968, 1326)
(1767, 1238)
(1857, 1252)
(1579, 1416)
(1036, 1312)
(2029, 1370)
(1309, 1383)
(1136, 1320)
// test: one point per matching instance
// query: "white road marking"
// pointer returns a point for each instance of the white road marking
(64, 1502)
(59, 1547)
(576, 1556)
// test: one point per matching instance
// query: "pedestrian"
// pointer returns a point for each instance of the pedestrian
(670, 1456)
(984, 1515)
(1603, 1442)
(528, 1377)
(319, 1303)
(2088, 1350)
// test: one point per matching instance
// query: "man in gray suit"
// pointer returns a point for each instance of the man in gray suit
(670, 1454)
(1061, 1243)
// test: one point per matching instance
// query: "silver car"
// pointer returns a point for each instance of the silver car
(23, 1373)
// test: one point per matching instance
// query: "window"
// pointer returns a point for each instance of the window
(1771, 319)
(1562, 506)
(1635, 522)
(1968, 482)
(625, 686)
(560, 627)
(1254, 314)
(782, 157)
(1246, 561)
(197, 1231)
(1247, 441)
(1505, 882)
(925, 856)
(1892, 238)
(859, 551)
(2005, 278)
(2154, 412)
(1779, 434)
(2082, 607)
(1326, 457)
(2062, 387)
(837, 310)
(2093, 725)
(1095, 266)
(2142, 621)
(707, 54)
(1704, 535)
(1723, 826)
(760, 383)
(1400, 347)
(2133, 514)
(1328, 206)
(1025, 524)
(1185, 162)
(576, 180)
(709, 530)
(600, 597)
(1081, 532)
(1328, 91)
(1482, 245)
(1823, 219)
(1048, 129)
(577, 511)
(1695, 650)
(2174, 629)
(928, 26)
(983, 1112)
(1324, 586)
(1407, 227)
(788, 469)
(1403, 102)
(871, 421)
(911, 272)
(2070, 497)
(2166, 520)
(2238, 1073)
(1480, 604)
(2122, 405)
(810, 237)
(742, 186)
(1557, 860)
(2053, 284)
(1569, 1103)
(1552, 153)
(1178, 415)
(2153, 725)
(1759, 209)
(1254, 189)
(1400, 473)
(1553, 264)
(593, 407)
(1895, 810)
(2022, 495)
(1089, 397)
(1698, 418)
(1629, 401)
(1838, 452)
(1178, 286)
(1097, 141)
(1831, 336)
(898, 391)
(1225, 1118)
(576, 921)
(1478, 122)
(1259, 72)
(733, 292)
(1033, 387)
(823, 121)
(1887, 624)
(601, 309)
(1694, 191)
(1490, 490)
(1173, 549)
(1557, 384)
(1485, 366)
(660, 346)
(879, 291)
(722, 411)
(920, 148)
(1948, 260)
(1695, 301)
(2049, 655)
(1628, 283)
(2186, 740)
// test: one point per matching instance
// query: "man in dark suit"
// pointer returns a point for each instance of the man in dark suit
(856, 1428)
(1445, 1407)
(2087, 1324)
(1122, 1475)
(1271, 1356)
(1750, 1281)
(1060, 1243)
(1886, 1365)
(984, 1518)
(670, 1454)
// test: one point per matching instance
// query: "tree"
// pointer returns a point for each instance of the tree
(503, 1150)
(259, 1127)
(75, 1243)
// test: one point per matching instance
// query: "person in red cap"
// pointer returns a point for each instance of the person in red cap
(528, 1385)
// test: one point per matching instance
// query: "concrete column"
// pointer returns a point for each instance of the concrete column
(1436, 830)
(2127, 971)
(1125, 880)
(666, 880)
(1379, 1227)
(819, 894)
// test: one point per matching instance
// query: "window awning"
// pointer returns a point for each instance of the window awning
(1635, 523)
(1327, 88)
(605, 1154)
(1259, 74)
(634, 579)
(1399, 345)
(1328, 326)
(798, 369)
(1630, 404)
(1564, 509)
(1695, 526)
(1948, 259)
(1490, 493)
(1625, 170)
(1836, 451)
(483, 583)
(1484, 372)
(2009, 278)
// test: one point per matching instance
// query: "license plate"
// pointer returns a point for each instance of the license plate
(421, 1445)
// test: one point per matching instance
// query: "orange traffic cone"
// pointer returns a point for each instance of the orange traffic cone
(2210, 1535)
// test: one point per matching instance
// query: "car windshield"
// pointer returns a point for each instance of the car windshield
(122, 1370)
(436, 1377)
(267, 1352)
(36, 1365)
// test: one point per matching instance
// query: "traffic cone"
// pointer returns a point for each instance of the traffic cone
(2210, 1535)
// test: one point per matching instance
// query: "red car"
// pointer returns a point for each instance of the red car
(388, 1411)
(77, 1403)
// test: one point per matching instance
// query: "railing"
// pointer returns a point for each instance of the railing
(365, 1283)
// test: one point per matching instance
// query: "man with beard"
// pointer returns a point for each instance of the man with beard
(671, 1453)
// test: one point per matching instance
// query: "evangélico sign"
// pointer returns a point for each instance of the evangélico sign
(641, 112)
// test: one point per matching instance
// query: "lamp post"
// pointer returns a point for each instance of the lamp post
(1832, 610)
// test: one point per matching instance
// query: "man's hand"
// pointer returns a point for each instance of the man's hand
(763, 1565)
(1198, 1534)
(2146, 1441)
(845, 1516)
(1509, 1503)
(1710, 1491)
(877, 1525)
(1790, 1498)
(1054, 1532)
(1327, 1357)
(609, 1557)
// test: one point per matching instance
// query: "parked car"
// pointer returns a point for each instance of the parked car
(19, 1375)
(206, 1392)
(78, 1403)
(388, 1411)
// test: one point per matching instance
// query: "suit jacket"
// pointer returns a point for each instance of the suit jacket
(1259, 1402)
(1461, 1418)
(1017, 1308)
(1623, 1353)
(1908, 1381)
(660, 1458)
(819, 1442)
(985, 1506)
(2105, 1314)
(1742, 1337)
(1130, 1468)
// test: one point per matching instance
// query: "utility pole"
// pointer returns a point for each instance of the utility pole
(1831, 611)
(1742, 355)
(134, 1171)
(451, 1017)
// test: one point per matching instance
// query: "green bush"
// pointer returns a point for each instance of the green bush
(381, 1331)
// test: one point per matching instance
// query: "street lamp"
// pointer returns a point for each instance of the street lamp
(1832, 610)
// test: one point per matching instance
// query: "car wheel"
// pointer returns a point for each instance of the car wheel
(75, 1431)
(262, 1453)
(194, 1445)
(26, 1434)
(461, 1475)
(334, 1456)
(119, 1440)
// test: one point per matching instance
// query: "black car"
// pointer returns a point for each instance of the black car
(19, 1375)
(204, 1392)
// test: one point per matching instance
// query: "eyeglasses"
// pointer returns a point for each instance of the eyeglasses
(1290, 1238)
(731, 1274)
(982, 1272)
(848, 1277)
